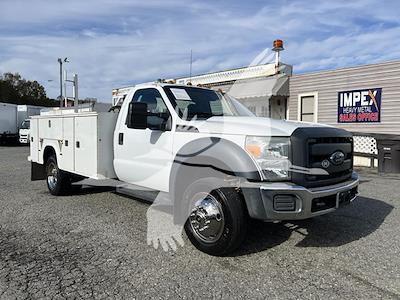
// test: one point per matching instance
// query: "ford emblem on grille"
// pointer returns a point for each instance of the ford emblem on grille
(337, 158)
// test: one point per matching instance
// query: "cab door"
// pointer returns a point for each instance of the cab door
(144, 156)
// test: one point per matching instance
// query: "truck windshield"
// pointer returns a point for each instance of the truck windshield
(201, 103)
(25, 124)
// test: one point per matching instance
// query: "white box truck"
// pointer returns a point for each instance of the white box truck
(23, 116)
(14, 121)
(8, 122)
(216, 161)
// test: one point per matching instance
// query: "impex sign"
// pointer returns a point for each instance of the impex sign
(360, 106)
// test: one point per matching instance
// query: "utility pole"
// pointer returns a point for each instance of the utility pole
(65, 88)
(76, 97)
(61, 61)
(61, 82)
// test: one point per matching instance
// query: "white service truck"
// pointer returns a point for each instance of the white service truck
(218, 163)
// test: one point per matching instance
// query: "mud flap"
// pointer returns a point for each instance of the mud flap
(38, 171)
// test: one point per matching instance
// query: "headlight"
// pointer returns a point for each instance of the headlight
(271, 154)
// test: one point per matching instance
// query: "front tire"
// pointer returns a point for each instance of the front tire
(217, 223)
(58, 182)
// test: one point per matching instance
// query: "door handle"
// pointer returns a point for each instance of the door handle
(121, 138)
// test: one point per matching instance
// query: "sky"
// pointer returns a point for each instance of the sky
(114, 43)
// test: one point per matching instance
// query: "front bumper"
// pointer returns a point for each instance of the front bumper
(288, 201)
(24, 139)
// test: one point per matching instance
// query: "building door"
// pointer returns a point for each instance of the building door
(278, 106)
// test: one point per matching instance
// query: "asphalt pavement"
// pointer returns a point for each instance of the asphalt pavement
(93, 245)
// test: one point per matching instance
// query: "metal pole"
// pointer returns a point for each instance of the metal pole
(76, 99)
(65, 88)
(191, 62)
(277, 62)
(61, 82)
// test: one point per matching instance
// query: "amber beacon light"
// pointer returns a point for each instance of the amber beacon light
(277, 48)
(277, 45)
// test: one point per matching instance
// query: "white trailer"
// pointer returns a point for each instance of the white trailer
(8, 122)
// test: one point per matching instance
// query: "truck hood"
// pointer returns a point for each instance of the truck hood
(250, 126)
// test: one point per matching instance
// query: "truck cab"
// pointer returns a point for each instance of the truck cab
(216, 161)
(24, 135)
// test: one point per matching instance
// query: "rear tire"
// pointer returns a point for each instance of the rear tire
(58, 181)
(227, 229)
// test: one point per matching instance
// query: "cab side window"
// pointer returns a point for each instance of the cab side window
(155, 105)
(153, 99)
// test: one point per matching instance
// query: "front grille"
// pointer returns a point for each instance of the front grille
(312, 148)
(327, 146)
(333, 140)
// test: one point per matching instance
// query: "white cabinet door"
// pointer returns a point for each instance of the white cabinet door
(34, 146)
(66, 162)
(51, 128)
(86, 145)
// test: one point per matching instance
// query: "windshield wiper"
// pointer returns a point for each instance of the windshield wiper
(201, 115)
(206, 115)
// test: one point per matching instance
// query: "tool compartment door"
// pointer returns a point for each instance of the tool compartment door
(86, 145)
(34, 144)
(51, 128)
(68, 145)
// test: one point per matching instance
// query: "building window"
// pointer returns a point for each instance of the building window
(307, 109)
(264, 111)
(252, 109)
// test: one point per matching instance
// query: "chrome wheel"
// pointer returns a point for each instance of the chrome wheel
(207, 218)
(52, 175)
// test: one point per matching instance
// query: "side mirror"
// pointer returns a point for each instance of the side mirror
(138, 115)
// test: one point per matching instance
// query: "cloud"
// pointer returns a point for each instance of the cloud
(121, 42)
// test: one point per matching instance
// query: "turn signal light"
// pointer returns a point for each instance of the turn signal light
(254, 150)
